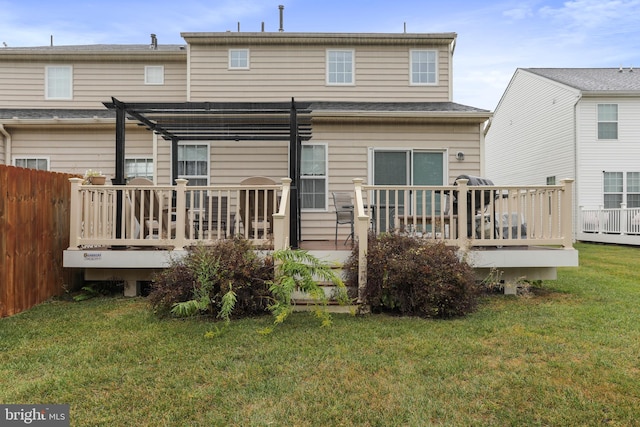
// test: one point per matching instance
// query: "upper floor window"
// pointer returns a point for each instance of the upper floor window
(340, 66)
(423, 67)
(313, 180)
(607, 121)
(238, 59)
(154, 75)
(40, 163)
(59, 82)
(138, 168)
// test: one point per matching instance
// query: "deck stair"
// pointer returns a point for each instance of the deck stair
(337, 258)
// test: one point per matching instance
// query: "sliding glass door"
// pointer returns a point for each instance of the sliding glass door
(407, 167)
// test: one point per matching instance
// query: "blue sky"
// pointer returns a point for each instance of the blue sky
(494, 37)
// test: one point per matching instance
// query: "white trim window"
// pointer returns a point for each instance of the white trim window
(340, 67)
(39, 163)
(313, 179)
(613, 189)
(193, 163)
(424, 67)
(154, 74)
(239, 59)
(59, 82)
(138, 168)
(633, 189)
(607, 121)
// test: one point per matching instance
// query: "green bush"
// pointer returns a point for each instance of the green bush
(414, 277)
(199, 282)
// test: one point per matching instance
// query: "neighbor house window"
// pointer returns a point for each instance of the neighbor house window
(193, 163)
(633, 189)
(39, 163)
(613, 189)
(340, 67)
(154, 75)
(551, 180)
(138, 168)
(59, 82)
(607, 121)
(238, 59)
(423, 67)
(313, 180)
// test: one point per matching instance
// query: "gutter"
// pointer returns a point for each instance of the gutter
(7, 146)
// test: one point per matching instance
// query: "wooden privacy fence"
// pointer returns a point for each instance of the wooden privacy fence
(34, 232)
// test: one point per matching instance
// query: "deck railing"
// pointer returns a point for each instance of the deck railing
(621, 221)
(466, 215)
(177, 216)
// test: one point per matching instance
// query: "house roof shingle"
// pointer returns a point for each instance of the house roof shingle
(325, 106)
(593, 79)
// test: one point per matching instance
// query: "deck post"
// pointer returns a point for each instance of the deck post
(567, 213)
(181, 213)
(463, 189)
(362, 231)
(281, 218)
(74, 217)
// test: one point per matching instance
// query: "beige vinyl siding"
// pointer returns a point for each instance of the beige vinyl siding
(279, 73)
(74, 149)
(22, 84)
(349, 145)
(230, 162)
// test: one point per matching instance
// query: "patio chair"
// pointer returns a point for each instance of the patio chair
(343, 204)
(147, 211)
(255, 219)
(209, 227)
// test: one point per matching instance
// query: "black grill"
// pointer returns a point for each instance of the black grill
(479, 202)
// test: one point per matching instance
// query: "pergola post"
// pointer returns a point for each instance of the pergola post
(295, 149)
(120, 151)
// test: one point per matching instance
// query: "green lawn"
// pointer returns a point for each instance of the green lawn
(567, 355)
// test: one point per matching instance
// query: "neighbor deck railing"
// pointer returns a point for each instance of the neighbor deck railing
(622, 221)
(177, 216)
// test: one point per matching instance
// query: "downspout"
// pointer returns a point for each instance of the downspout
(7, 144)
(452, 49)
(576, 183)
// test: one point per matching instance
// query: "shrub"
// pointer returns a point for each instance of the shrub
(414, 277)
(198, 283)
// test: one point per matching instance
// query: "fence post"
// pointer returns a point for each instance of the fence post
(74, 215)
(181, 213)
(566, 221)
(623, 218)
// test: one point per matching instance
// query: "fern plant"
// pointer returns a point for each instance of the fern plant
(297, 269)
(205, 269)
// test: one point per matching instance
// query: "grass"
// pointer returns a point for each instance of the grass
(569, 355)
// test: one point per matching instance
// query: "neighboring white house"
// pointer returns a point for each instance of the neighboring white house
(581, 123)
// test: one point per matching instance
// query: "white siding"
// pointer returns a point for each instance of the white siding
(596, 156)
(532, 133)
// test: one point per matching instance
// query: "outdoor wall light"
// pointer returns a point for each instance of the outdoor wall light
(459, 155)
